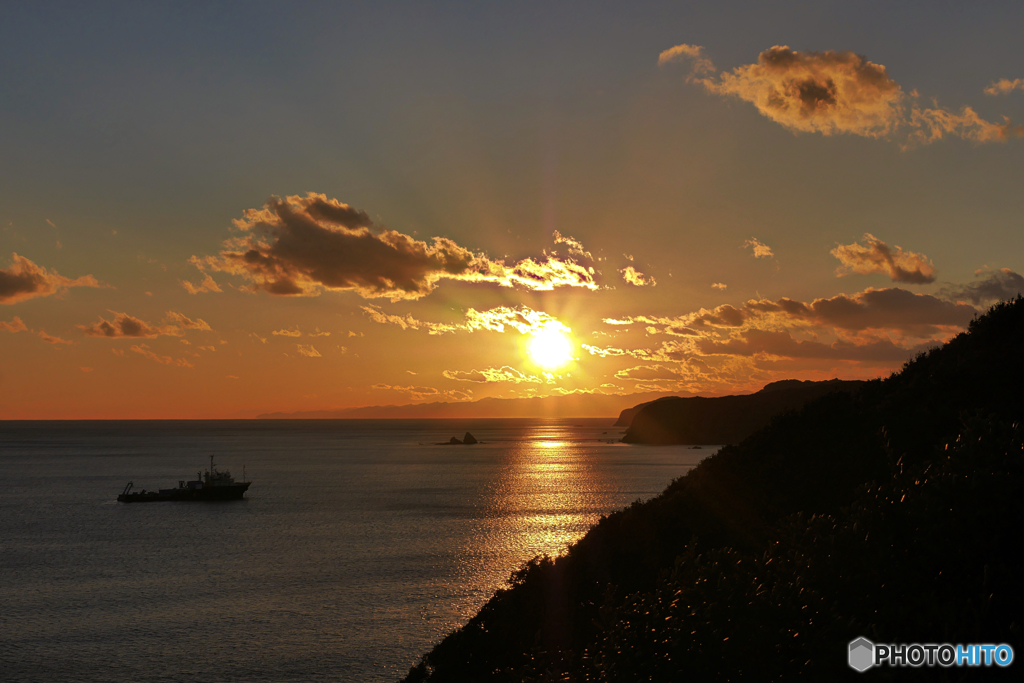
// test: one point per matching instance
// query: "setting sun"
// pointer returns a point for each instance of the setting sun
(550, 348)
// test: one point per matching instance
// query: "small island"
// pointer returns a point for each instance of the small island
(467, 440)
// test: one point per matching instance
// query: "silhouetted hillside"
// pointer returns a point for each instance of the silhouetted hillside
(892, 513)
(726, 419)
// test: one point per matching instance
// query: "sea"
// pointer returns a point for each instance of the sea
(360, 544)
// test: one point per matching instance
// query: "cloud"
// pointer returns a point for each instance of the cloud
(877, 327)
(25, 280)
(305, 245)
(934, 124)
(406, 322)
(307, 350)
(992, 286)
(632, 276)
(185, 323)
(878, 257)
(816, 92)
(603, 352)
(1005, 86)
(15, 325)
(207, 285)
(523, 319)
(53, 340)
(782, 344)
(417, 393)
(287, 333)
(318, 333)
(693, 53)
(124, 325)
(493, 375)
(892, 308)
(719, 285)
(761, 250)
(144, 351)
(575, 246)
(648, 373)
(839, 93)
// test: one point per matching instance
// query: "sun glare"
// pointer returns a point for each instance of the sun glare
(550, 348)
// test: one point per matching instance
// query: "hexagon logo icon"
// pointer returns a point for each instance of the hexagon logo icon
(862, 654)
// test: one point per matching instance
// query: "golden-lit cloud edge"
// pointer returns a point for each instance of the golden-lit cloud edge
(875, 256)
(303, 246)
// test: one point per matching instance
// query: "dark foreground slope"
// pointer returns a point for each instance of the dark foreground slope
(894, 513)
(725, 419)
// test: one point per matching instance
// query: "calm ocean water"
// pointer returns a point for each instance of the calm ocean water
(361, 543)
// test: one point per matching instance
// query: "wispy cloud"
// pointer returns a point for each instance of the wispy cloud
(875, 256)
(25, 280)
(305, 245)
(523, 319)
(760, 249)
(634, 277)
(146, 352)
(307, 350)
(1004, 86)
(15, 325)
(207, 285)
(50, 339)
(493, 375)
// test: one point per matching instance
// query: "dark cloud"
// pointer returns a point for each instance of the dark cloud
(766, 342)
(303, 245)
(124, 325)
(894, 308)
(989, 287)
(25, 280)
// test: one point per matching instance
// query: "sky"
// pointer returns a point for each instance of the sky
(216, 210)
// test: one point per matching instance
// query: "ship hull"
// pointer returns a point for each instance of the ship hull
(209, 493)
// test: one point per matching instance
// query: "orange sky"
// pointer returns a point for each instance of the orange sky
(199, 227)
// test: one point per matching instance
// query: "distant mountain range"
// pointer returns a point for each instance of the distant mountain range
(572, 405)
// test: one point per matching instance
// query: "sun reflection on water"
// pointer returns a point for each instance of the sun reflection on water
(544, 499)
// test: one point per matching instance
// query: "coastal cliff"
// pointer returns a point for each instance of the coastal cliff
(725, 419)
(893, 513)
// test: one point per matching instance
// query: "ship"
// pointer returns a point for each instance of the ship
(210, 485)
